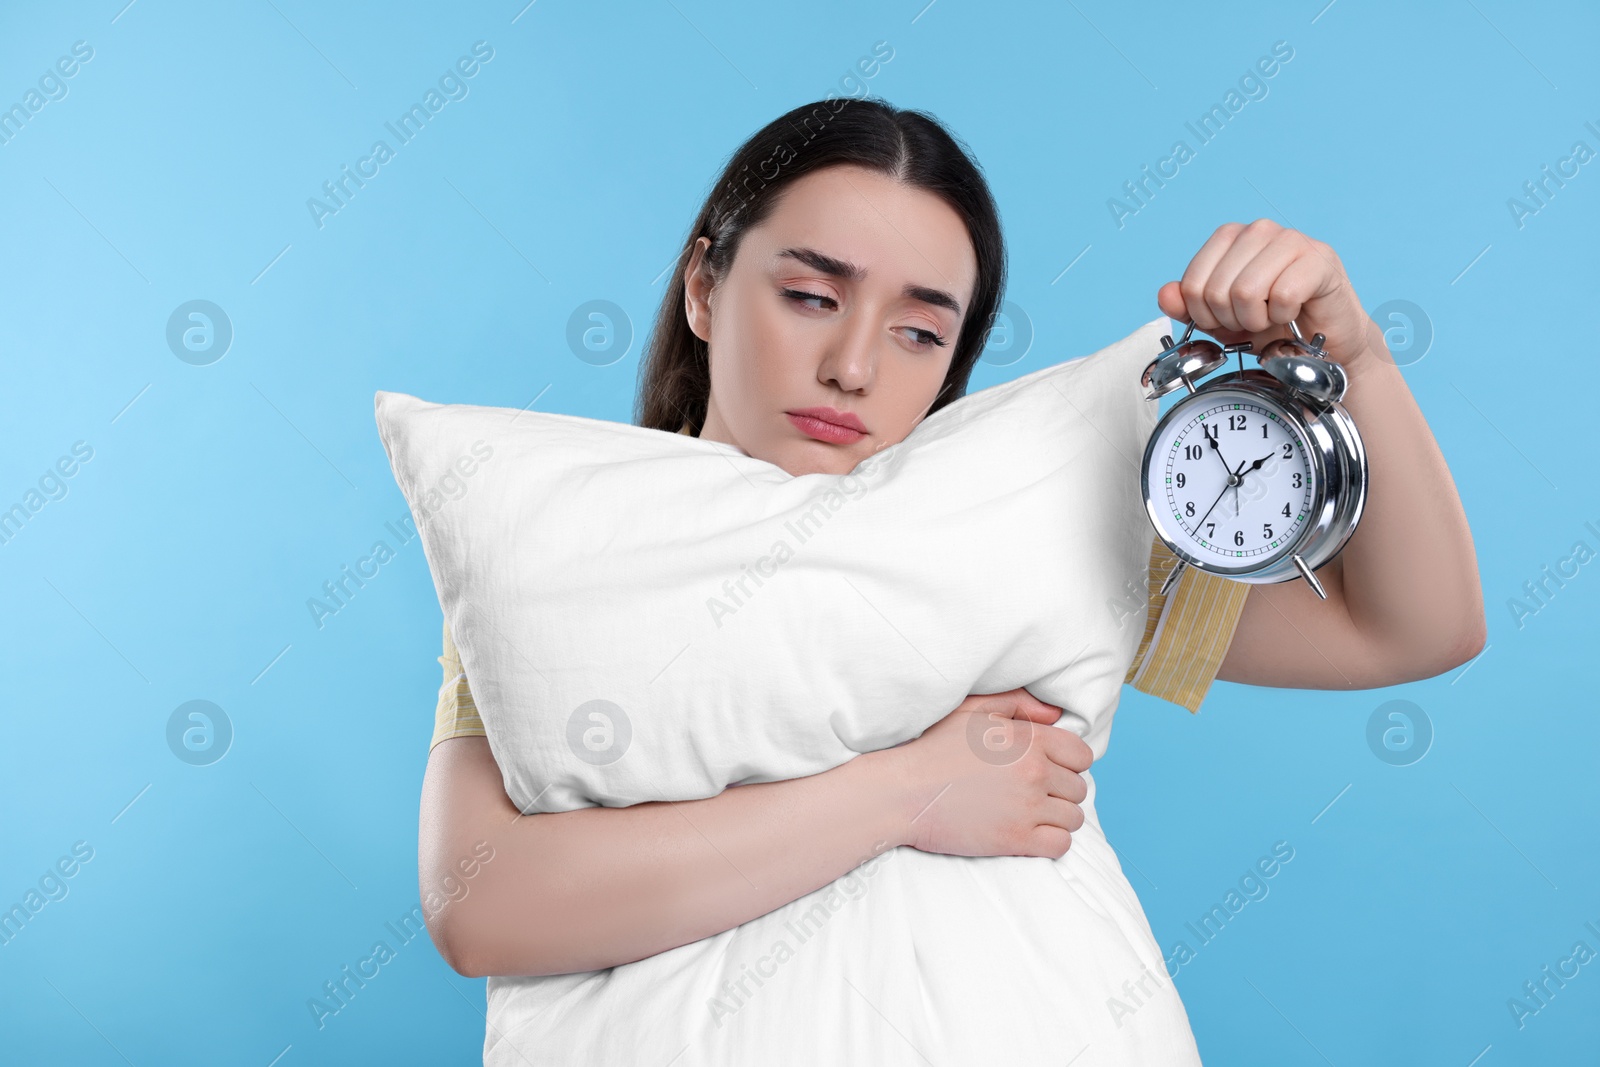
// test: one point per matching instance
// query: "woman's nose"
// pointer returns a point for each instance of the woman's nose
(851, 361)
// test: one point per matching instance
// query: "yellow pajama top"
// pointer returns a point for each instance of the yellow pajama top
(1186, 635)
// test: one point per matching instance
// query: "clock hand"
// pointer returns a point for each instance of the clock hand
(1215, 447)
(1253, 467)
(1233, 480)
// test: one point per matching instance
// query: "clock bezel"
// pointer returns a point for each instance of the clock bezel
(1337, 497)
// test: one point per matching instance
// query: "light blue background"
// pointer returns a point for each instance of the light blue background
(221, 497)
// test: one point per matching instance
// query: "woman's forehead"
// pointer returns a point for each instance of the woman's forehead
(890, 231)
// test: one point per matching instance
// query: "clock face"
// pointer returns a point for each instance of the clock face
(1231, 481)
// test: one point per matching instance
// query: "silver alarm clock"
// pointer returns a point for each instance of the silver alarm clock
(1258, 475)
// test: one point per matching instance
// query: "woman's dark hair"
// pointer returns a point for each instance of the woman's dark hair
(910, 146)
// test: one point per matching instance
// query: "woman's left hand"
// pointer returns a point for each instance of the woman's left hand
(1247, 282)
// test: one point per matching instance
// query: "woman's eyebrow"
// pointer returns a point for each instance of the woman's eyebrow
(839, 268)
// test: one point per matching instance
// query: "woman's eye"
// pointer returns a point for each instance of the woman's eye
(918, 336)
(800, 297)
(925, 338)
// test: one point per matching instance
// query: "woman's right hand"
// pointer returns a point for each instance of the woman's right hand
(994, 778)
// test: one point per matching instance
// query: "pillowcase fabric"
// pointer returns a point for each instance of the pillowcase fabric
(650, 616)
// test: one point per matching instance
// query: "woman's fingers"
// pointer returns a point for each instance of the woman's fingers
(1067, 749)
(1062, 747)
(1015, 703)
(1049, 842)
(1067, 784)
(1063, 813)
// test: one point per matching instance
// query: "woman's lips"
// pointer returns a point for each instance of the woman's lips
(816, 428)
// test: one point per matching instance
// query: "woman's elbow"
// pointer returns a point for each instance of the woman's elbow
(448, 943)
(1473, 641)
(467, 969)
(478, 943)
(442, 914)
(1440, 656)
(463, 817)
(470, 914)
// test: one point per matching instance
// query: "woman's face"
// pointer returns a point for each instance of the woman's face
(834, 305)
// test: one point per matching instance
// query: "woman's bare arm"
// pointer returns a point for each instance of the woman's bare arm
(597, 887)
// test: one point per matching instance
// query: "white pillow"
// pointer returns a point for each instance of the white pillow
(646, 615)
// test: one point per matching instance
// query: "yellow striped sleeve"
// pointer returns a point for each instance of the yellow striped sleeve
(1187, 632)
(456, 715)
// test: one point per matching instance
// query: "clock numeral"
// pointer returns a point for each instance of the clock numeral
(1238, 537)
(1180, 480)
(1296, 484)
(1193, 452)
(1286, 512)
(1188, 509)
(1266, 531)
(1236, 422)
(1288, 448)
(1211, 529)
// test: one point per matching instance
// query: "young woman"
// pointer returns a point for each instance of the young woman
(835, 289)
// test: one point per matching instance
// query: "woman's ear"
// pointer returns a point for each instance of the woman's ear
(697, 285)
